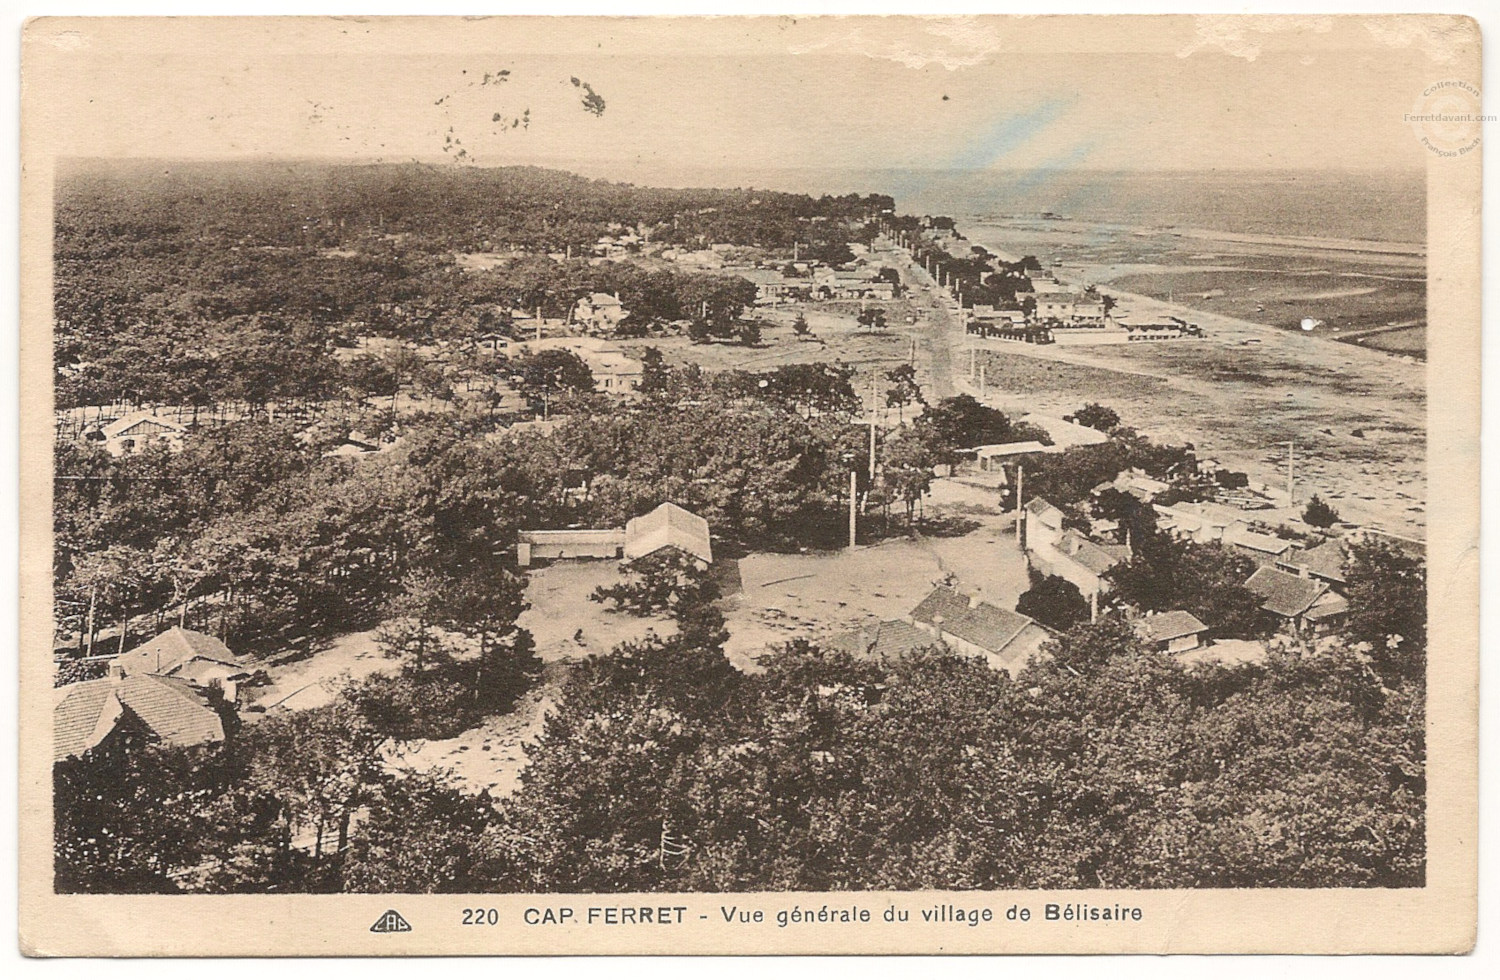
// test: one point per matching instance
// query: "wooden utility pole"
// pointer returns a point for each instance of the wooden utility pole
(1020, 504)
(1290, 450)
(983, 387)
(853, 502)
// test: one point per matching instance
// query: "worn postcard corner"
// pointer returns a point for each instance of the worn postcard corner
(687, 485)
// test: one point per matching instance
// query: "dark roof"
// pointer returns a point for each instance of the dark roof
(988, 627)
(1324, 561)
(1329, 604)
(1283, 593)
(1044, 511)
(172, 710)
(76, 715)
(941, 601)
(1161, 627)
(891, 638)
(166, 652)
(1097, 558)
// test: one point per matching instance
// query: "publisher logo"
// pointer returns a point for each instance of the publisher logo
(1445, 118)
(391, 921)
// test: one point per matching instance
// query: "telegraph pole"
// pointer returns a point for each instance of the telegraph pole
(1020, 502)
(853, 502)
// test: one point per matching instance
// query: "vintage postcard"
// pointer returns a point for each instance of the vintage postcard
(750, 485)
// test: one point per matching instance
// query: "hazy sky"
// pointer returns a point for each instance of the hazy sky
(739, 96)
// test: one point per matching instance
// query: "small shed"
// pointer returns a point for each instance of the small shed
(1177, 631)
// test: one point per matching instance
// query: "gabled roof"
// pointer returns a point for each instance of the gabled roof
(1283, 593)
(941, 601)
(125, 423)
(891, 638)
(169, 708)
(1064, 433)
(1328, 605)
(1043, 511)
(988, 627)
(1011, 449)
(1324, 561)
(1160, 627)
(1255, 541)
(167, 652)
(668, 526)
(82, 716)
(1097, 558)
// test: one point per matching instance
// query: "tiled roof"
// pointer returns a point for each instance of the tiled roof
(941, 601)
(1283, 593)
(1270, 544)
(668, 526)
(1042, 510)
(171, 709)
(891, 638)
(77, 714)
(1160, 627)
(988, 627)
(1095, 557)
(1325, 561)
(166, 652)
(1329, 604)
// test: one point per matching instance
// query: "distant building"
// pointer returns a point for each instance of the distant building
(668, 526)
(187, 655)
(1325, 561)
(614, 371)
(1172, 632)
(1067, 553)
(599, 313)
(1065, 434)
(165, 710)
(991, 459)
(770, 285)
(134, 432)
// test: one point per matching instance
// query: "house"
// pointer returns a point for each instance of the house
(991, 459)
(1296, 603)
(1171, 632)
(187, 655)
(1006, 640)
(770, 285)
(1263, 549)
(599, 312)
(1324, 562)
(1065, 434)
(890, 639)
(1073, 557)
(940, 605)
(166, 710)
(1042, 520)
(668, 526)
(614, 371)
(134, 432)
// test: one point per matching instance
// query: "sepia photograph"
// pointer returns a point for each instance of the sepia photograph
(895, 461)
